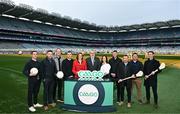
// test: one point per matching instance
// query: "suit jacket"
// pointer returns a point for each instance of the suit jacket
(67, 68)
(57, 63)
(49, 69)
(149, 66)
(124, 72)
(114, 65)
(96, 66)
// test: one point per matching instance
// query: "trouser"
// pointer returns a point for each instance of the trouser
(58, 84)
(48, 91)
(154, 89)
(118, 91)
(138, 83)
(121, 91)
(33, 90)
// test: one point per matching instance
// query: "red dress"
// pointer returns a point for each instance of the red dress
(77, 67)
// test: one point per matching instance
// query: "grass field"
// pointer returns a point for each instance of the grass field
(13, 88)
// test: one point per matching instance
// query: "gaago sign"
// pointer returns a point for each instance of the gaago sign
(88, 94)
(87, 75)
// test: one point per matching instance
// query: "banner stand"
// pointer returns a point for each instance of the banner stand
(88, 96)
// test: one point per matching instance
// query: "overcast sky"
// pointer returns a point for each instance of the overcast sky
(112, 12)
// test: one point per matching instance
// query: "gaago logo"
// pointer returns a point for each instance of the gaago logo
(88, 94)
(87, 75)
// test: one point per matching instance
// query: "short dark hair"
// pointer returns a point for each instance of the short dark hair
(69, 52)
(49, 51)
(125, 56)
(115, 51)
(151, 52)
(33, 52)
(135, 54)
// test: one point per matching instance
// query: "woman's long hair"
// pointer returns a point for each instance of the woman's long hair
(77, 57)
(102, 59)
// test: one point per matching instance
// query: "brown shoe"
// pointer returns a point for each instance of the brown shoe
(156, 106)
(140, 101)
(46, 108)
(147, 102)
(52, 104)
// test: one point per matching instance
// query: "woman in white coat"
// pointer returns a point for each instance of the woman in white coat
(105, 67)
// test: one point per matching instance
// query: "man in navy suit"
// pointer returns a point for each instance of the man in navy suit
(93, 63)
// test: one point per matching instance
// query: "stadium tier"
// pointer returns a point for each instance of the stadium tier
(22, 27)
(12, 29)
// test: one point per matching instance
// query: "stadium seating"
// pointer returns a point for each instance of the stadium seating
(40, 36)
(18, 46)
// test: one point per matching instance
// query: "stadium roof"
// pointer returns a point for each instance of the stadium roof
(23, 11)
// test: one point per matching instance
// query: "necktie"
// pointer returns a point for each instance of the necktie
(92, 60)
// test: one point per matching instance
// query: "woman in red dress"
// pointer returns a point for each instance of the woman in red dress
(79, 64)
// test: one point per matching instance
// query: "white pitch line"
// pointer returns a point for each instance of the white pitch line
(9, 69)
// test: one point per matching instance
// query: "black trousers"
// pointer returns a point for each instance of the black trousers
(58, 85)
(33, 90)
(48, 91)
(120, 93)
(155, 94)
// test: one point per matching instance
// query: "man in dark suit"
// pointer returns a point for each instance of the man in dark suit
(93, 63)
(150, 66)
(67, 65)
(114, 62)
(124, 71)
(49, 71)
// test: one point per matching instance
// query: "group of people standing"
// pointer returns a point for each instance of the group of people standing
(120, 69)
(47, 70)
(124, 68)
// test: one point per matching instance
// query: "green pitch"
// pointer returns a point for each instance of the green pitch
(13, 90)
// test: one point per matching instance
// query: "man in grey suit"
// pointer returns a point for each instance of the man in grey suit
(93, 63)
(58, 82)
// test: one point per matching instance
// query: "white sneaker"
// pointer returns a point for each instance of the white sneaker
(38, 105)
(32, 109)
(129, 105)
(121, 103)
(61, 101)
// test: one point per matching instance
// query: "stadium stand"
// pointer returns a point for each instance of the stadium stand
(24, 28)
